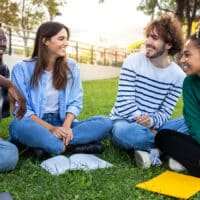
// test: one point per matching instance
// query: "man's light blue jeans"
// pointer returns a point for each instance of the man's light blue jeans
(8, 156)
(29, 133)
(134, 136)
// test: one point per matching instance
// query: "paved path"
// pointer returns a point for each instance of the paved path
(87, 71)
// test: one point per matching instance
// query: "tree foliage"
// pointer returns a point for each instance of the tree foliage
(53, 6)
(26, 15)
(9, 12)
(135, 46)
(30, 14)
(185, 10)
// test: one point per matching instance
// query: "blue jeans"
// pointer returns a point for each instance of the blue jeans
(8, 156)
(134, 136)
(27, 132)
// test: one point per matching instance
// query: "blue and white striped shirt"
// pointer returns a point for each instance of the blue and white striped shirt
(146, 89)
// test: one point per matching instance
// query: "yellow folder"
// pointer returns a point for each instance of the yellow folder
(172, 184)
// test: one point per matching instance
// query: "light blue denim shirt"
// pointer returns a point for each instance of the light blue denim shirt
(70, 98)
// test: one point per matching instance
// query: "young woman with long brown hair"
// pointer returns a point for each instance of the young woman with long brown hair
(52, 87)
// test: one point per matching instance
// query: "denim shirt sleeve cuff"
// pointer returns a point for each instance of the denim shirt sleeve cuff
(74, 110)
(29, 113)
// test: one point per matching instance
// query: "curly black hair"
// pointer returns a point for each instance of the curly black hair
(196, 38)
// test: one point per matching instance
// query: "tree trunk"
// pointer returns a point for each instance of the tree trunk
(179, 11)
(26, 47)
(190, 15)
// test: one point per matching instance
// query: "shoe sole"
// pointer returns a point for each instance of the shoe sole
(176, 166)
(140, 161)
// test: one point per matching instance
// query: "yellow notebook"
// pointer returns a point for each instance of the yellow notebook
(172, 184)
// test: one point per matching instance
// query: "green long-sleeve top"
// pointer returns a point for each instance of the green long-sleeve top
(191, 108)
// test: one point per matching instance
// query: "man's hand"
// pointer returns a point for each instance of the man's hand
(15, 96)
(144, 120)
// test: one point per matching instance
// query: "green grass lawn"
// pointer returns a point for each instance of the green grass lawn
(30, 182)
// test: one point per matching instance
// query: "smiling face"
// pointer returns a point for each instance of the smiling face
(190, 60)
(57, 44)
(3, 42)
(155, 46)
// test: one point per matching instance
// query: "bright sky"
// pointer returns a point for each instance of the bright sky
(108, 17)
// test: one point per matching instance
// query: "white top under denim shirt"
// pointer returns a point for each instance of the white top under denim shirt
(52, 104)
(70, 98)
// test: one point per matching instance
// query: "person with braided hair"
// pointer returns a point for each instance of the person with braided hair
(185, 149)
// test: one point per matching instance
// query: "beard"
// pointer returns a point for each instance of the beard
(158, 52)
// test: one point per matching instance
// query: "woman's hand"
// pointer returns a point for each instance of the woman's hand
(59, 131)
(67, 125)
(69, 137)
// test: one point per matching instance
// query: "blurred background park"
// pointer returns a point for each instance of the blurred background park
(103, 32)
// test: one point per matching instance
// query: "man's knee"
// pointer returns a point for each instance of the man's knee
(120, 127)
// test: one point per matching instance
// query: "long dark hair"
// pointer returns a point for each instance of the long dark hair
(40, 54)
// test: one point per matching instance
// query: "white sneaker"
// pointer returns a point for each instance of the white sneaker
(175, 165)
(142, 159)
(155, 157)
